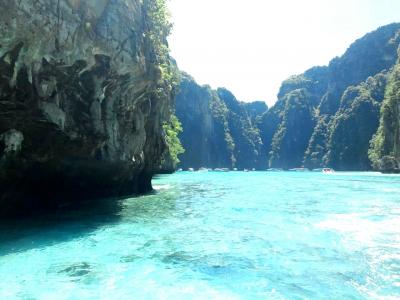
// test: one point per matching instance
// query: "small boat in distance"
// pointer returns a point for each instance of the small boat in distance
(221, 170)
(299, 170)
(328, 171)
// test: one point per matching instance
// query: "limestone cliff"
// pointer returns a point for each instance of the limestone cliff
(354, 125)
(218, 130)
(83, 99)
(385, 146)
(205, 137)
(327, 115)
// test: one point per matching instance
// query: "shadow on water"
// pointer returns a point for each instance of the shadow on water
(46, 229)
(17, 235)
(57, 226)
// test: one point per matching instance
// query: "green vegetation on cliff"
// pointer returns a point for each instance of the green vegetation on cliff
(85, 88)
(287, 127)
(255, 110)
(353, 126)
(298, 122)
(172, 129)
(218, 130)
(247, 151)
(166, 74)
(327, 116)
(158, 28)
(385, 146)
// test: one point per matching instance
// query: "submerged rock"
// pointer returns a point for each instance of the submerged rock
(82, 103)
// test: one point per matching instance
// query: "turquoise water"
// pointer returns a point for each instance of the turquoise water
(235, 235)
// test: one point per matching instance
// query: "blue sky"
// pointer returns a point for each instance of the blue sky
(251, 46)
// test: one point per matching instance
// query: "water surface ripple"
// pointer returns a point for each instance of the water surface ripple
(202, 235)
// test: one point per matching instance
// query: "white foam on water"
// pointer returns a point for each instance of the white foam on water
(162, 187)
(391, 190)
(360, 228)
(359, 232)
(363, 174)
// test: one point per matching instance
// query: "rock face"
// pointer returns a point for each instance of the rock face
(328, 115)
(218, 130)
(325, 117)
(255, 110)
(354, 125)
(82, 101)
(385, 146)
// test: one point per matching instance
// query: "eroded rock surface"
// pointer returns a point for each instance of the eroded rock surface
(79, 115)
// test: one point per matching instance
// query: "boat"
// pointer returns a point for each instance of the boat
(328, 171)
(298, 170)
(274, 170)
(203, 170)
(221, 170)
(191, 170)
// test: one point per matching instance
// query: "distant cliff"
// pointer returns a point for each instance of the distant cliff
(85, 90)
(385, 146)
(218, 130)
(328, 115)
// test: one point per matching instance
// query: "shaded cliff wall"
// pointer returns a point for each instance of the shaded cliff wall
(83, 99)
(205, 137)
(218, 130)
(385, 146)
(319, 120)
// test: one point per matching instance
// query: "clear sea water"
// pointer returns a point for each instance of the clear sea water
(234, 235)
